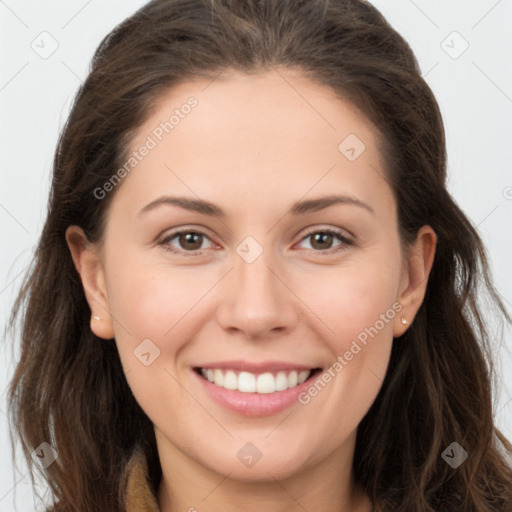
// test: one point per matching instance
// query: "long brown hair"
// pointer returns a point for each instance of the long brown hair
(69, 388)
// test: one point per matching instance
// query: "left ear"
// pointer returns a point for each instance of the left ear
(415, 277)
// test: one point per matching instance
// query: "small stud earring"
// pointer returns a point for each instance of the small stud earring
(97, 318)
(404, 321)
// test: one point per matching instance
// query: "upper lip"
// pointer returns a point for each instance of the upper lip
(254, 367)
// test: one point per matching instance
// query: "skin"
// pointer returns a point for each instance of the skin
(254, 145)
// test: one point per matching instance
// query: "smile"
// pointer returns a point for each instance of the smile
(255, 388)
(247, 382)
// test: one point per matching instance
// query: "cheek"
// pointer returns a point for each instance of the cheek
(153, 307)
(152, 300)
(355, 300)
(358, 302)
(158, 303)
(350, 300)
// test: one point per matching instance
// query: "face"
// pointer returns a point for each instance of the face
(251, 276)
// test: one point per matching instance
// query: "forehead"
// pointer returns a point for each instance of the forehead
(256, 136)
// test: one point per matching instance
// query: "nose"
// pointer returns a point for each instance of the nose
(257, 301)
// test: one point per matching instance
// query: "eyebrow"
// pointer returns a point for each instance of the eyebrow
(298, 208)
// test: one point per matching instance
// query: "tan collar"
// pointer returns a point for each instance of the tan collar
(139, 497)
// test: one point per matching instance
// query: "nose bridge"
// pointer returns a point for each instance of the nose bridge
(255, 280)
(258, 302)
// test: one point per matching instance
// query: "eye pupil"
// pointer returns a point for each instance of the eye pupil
(321, 238)
(194, 241)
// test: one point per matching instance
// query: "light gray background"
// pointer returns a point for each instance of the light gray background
(474, 90)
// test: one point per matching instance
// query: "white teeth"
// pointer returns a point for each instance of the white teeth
(230, 380)
(281, 381)
(303, 376)
(265, 383)
(247, 382)
(218, 377)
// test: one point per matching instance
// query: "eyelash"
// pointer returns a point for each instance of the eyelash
(345, 242)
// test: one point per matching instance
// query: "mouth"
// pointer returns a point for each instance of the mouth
(263, 383)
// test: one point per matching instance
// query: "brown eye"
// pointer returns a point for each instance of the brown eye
(190, 241)
(185, 242)
(323, 240)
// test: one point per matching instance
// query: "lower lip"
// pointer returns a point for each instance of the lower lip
(255, 404)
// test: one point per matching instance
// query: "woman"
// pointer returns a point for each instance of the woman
(255, 369)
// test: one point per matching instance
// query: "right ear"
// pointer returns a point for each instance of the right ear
(88, 265)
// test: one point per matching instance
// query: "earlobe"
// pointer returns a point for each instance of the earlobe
(88, 265)
(417, 271)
